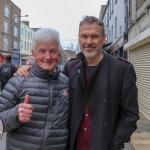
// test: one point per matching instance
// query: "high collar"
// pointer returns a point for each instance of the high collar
(35, 69)
(81, 56)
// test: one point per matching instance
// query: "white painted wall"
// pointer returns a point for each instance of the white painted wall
(26, 38)
(115, 9)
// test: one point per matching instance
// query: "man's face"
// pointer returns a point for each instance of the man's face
(46, 55)
(91, 39)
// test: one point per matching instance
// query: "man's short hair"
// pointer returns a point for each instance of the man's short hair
(92, 19)
(8, 58)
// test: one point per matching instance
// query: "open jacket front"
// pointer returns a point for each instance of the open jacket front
(111, 98)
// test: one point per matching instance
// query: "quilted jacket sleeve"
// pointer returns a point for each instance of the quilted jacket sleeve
(9, 101)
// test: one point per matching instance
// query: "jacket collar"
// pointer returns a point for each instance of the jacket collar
(81, 56)
(81, 68)
(35, 69)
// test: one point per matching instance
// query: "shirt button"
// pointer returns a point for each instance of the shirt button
(85, 129)
(86, 115)
(82, 142)
(105, 100)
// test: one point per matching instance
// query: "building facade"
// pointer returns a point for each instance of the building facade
(138, 48)
(115, 16)
(9, 31)
(26, 36)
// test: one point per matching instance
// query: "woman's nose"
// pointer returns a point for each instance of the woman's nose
(48, 55)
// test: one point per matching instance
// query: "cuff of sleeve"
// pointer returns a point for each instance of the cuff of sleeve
(11, 121)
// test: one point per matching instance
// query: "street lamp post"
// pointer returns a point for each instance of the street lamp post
(17, 46)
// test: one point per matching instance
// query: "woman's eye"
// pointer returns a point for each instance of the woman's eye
(42, 51)
(53, 52)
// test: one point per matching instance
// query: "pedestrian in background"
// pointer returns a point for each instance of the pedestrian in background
(7, 70)
(34, 110)
(103, 93)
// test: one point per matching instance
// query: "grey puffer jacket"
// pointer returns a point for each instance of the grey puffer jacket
(47, 129)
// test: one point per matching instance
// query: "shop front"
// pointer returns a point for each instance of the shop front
(16, 59)
(24, 59)
(3, 55)
(138, 49)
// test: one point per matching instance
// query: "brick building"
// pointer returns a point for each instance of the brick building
(9, 30)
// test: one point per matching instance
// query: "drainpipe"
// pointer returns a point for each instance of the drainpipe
(134, 16)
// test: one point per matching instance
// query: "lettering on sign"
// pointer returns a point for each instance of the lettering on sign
(4, 54)
(142, 29)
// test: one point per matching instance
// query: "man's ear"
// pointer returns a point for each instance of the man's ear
(33, 53)
(104, 39)
(78, 37)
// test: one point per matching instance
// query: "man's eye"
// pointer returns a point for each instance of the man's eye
(83, 36)
(95, 37)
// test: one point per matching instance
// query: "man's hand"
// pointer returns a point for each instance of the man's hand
(25, 110)
(23, 71)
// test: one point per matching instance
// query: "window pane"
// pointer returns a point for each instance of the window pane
(15, 46)
(16, 18)
(5, 26)
(25, 45)
(15, 31)
(21, 44)
(6, 11)
(5, 46)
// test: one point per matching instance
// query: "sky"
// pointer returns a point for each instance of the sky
(63, 15)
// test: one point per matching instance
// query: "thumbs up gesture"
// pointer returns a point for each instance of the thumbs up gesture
(25, 110)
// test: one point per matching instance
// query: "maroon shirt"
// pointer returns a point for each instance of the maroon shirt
(83, 139)
(84, 132)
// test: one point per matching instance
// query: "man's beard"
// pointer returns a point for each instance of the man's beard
(90, 54)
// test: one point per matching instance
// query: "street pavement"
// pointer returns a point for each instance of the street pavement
(3, 142)
(141, 138)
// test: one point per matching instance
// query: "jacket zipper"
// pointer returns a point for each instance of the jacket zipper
(42, 148)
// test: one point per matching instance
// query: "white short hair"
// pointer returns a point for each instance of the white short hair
(45, 35)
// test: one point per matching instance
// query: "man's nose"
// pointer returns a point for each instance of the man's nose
(89, 40)
(48, 55)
